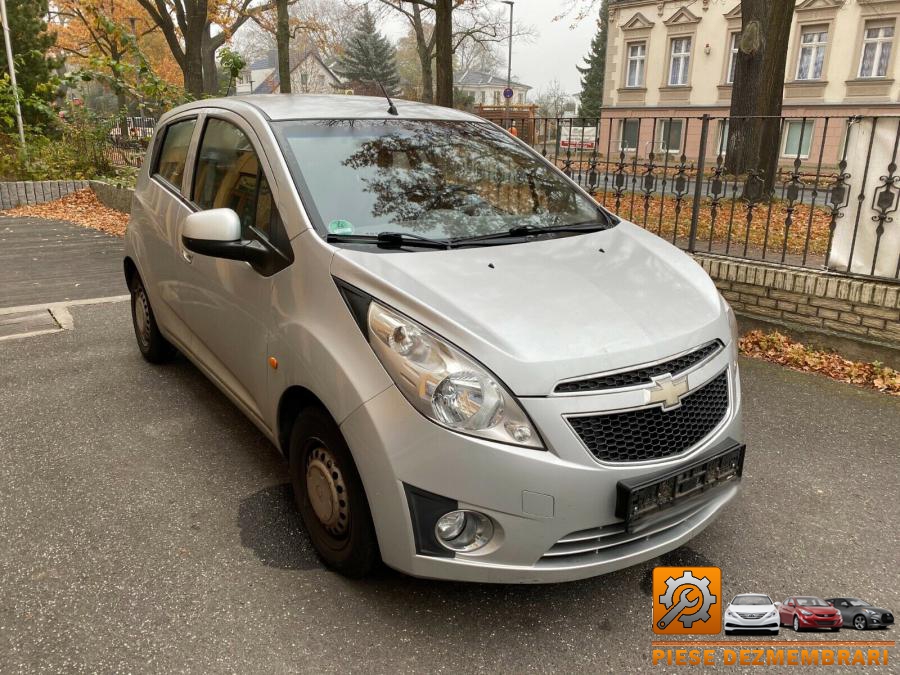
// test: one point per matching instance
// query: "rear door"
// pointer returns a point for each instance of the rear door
(161, 209)
(228, 302)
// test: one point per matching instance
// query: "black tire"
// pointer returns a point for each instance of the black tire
(796, 624)
(151, 343)
(729, 632)
(860, 622)
(341, 530)
(835, 629)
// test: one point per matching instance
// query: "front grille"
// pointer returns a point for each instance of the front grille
(745, 615)
(887, 617)
(639, 376)
(826, 622)
(652, 433)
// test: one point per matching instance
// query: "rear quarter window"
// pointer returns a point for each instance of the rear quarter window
(172, 155)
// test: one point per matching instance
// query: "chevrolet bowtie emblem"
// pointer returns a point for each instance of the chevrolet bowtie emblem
(667, 391)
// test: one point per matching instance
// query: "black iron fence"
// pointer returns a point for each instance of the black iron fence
(829, 202)
(127, 140)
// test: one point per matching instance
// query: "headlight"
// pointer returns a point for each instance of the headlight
(732, 319)
(871, 611)
(805, 612)
(444, 384)
(770, 614)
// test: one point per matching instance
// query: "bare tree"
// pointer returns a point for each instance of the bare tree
(553, 101)
(456, 24)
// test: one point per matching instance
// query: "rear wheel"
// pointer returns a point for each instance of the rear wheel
(330, 495)
(151, 343)
(859, 622)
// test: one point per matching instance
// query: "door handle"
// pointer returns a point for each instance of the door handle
(187, 255)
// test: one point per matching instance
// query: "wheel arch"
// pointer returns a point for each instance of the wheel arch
(293, 401)
(130, 269)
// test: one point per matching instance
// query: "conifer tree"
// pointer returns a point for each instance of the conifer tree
(592, 73)
(369, 56)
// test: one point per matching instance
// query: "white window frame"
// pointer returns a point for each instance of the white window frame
(641, 64)
(622, 123)
(791, 153)
(732, 57)
(683, 57)
(724, 130)
(881, 42)
(814, 48)
(662, 131)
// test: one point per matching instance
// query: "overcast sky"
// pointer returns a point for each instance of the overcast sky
(554, 54)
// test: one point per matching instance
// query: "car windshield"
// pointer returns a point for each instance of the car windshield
(859, 603)
(752, 600)
(437, 179)
(811, 602)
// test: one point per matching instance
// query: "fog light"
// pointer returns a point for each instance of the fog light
(464, 530)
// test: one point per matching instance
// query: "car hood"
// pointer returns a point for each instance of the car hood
(551, 309)
(821, 611)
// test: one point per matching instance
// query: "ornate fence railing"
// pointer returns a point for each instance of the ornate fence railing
(830, 204)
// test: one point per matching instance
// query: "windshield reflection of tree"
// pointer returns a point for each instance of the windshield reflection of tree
(462, 179)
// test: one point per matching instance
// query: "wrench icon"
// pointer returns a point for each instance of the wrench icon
(682, 604)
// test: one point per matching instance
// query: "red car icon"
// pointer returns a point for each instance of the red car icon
(806, 612)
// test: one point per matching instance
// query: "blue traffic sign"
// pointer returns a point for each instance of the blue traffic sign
(507, 93)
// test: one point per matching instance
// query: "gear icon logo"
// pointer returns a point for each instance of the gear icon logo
(686, 600)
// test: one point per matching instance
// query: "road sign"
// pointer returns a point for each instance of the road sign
(507, 93)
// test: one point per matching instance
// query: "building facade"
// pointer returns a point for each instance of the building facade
(309, 75)
(674, 60)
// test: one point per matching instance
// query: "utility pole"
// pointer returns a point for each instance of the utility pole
(12, 72)
(509, 60)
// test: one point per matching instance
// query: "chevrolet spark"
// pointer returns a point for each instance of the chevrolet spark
(473, 370)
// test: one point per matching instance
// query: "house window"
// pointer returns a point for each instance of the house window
(496, 98)
(812, 53)
(732, 57)
(679, 64)
(876, 51)
(724, 127)
(797, 138)
(637, 56)
(629, 131)
(520, 98)
(669, 135)
(483, 94)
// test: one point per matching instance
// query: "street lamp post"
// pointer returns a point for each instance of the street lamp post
(12, 72)
(509, 59)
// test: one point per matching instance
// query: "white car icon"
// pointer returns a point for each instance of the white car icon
(751, 611)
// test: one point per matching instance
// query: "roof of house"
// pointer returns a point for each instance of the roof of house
(476, 78)
(272, 82)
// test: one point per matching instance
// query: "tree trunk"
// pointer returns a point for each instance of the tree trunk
(282, 40)
(443, 43)
(756, 97)
(424, 48)
(210, 71)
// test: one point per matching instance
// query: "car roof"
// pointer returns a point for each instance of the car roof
(331, 106)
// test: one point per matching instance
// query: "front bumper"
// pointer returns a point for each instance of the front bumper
(554, 510)
(736, 622)
(819, 622)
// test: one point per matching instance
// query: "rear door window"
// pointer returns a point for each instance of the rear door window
(173, 152)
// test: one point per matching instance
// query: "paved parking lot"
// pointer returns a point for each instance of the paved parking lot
(146, 526)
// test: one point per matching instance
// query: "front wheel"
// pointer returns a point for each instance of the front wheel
(330, 496)
(151, 343)
(796, 624)
(859, 622)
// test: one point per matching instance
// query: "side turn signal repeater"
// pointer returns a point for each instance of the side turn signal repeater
(273, 362)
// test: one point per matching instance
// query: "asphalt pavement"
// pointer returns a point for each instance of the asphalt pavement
(146, 526)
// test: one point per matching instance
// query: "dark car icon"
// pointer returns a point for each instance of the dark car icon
(860, 614)
(808, 612)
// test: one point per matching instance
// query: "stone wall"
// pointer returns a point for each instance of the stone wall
(17, 193)
(117, 198)
(858, 317)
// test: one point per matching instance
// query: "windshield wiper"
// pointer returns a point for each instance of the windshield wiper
(390, 240)
(523, 231)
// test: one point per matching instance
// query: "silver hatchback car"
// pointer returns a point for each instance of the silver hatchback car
(474, 371)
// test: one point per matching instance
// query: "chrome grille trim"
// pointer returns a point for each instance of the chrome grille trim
(639, 375)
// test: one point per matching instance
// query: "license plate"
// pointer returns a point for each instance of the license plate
(644, 496)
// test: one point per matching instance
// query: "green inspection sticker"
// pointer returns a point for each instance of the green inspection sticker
(340, 227)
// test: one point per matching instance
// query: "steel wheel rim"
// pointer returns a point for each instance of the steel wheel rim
(860, 623)
(142, 318)
(326, 490)
(796, 624)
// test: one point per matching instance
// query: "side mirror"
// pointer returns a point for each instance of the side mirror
(217, 233)
(778, 604)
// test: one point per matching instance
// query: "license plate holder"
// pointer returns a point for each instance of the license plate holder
(678, 489)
